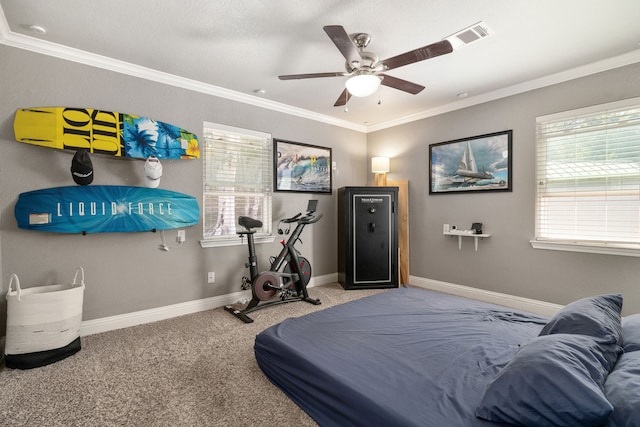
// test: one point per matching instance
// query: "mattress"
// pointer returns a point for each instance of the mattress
(405, 357)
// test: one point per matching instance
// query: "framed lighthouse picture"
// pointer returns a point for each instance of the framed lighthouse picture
(477, 163)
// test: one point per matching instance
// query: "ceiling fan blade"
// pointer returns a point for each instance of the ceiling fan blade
(313, 75)
(430, 51)
(343, 42)
(400, 84)
(343, 98)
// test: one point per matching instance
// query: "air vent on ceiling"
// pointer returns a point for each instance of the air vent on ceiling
(477, 31)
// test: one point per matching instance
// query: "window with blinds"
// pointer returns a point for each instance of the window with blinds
(237, 181)
(588, 176)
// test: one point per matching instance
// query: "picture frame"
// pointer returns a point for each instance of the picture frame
(302, 168)
(474, 164)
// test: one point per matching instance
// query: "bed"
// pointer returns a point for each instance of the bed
(413, 357)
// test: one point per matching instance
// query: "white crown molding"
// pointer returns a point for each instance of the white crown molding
(4, 26)
(574, 73)
(20, 41)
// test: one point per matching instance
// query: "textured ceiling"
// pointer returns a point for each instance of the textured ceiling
(234, 48)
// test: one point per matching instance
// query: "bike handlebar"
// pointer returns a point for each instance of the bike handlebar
(310, 218)
(292, 219)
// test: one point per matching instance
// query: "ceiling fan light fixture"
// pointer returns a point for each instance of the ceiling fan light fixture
(363, 85)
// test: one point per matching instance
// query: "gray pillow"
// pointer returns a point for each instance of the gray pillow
(631, 333)
(622, 389)
(597, 316)
(553, 380)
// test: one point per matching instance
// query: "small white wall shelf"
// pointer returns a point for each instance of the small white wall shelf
(466, 233)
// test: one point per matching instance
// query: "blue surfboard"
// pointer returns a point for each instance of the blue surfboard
(105, 209)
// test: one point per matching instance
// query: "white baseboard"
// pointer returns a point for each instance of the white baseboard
(95, 326)
(533, 306)
(90, 327)
(323, 280)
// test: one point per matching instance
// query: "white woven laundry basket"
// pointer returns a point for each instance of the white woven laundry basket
(43, 318)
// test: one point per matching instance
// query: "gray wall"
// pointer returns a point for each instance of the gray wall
(125, 272)
(505, 262)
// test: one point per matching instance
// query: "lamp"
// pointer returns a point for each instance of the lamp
(363, 85)
(380, 166)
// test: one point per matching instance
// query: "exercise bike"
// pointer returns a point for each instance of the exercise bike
(290, 272)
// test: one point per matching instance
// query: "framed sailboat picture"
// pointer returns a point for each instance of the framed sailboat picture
(477, 163)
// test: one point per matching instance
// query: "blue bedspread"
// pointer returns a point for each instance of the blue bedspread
(405, 357)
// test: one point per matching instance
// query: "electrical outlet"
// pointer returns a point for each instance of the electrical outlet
(211, 277)
(181, 236)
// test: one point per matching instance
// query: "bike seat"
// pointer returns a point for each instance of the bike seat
(249, 223)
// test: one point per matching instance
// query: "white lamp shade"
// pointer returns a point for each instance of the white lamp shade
(380, 164)
(363, 85)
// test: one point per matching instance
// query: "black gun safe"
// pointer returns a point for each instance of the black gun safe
(368, 237)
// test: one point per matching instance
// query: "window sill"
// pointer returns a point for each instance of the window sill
(611, 249)
(234, 241)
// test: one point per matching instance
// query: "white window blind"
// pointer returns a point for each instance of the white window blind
(588, 176)
(237, 180)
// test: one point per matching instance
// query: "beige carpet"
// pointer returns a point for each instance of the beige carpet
(195, 370)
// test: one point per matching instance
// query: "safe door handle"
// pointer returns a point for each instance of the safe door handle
(372, 227)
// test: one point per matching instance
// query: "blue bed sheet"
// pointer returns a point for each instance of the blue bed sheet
(405, 357)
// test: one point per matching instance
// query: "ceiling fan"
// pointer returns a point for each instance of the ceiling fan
(362, 65)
